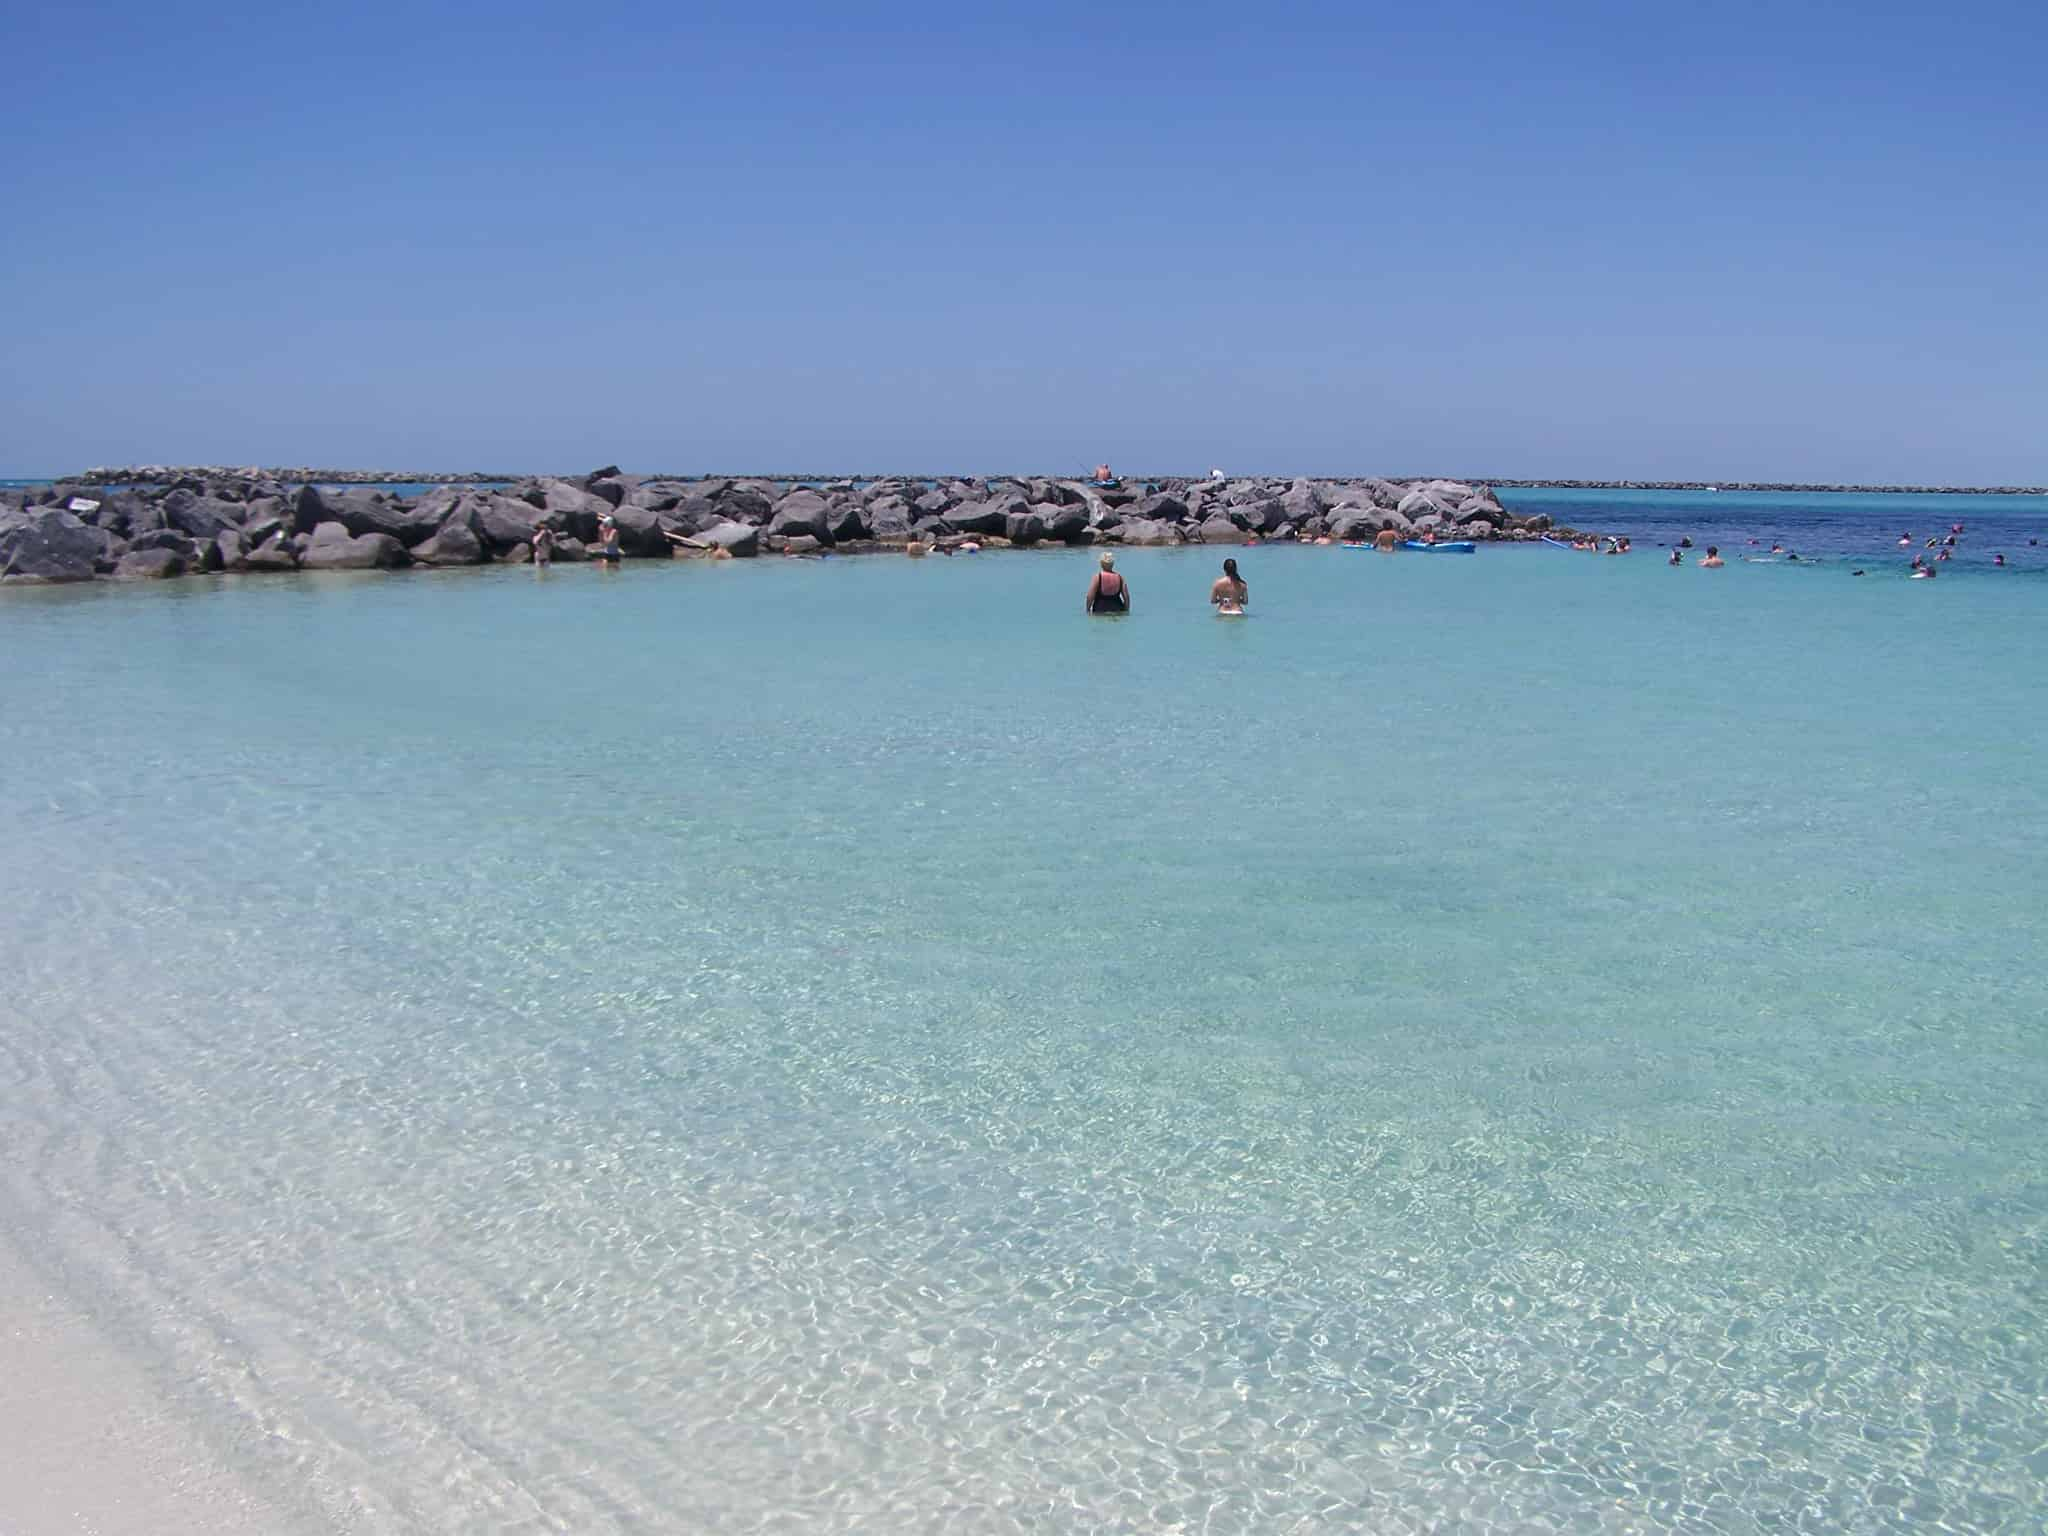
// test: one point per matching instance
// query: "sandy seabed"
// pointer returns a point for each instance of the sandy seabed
(89, 1446)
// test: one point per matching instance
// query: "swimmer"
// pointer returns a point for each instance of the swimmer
(543, 545)
(1677, 558)
(968, 547)
(1998, 560)
(1713, 562)
(1925, 572)
(917, 549)
(1905, 541)
(1686, 542)
(1855, 573)
(1107, 591)
(1386, 540)
(1229, 594)
(607, 538)
(1942, 556)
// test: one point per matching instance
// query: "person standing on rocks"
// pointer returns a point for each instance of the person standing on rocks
(1229, 594)
(1108, 592)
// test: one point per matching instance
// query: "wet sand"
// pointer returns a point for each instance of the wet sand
(88, 1443)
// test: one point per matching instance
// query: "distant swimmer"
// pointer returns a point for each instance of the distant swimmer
(1998, 560)
(1229, 594)
(1108, 592)
(1713, 562)
(1855, 573)
(1386, 541)
(1905, 541)
(917, 549)
(1677, 557)
(1686, 542)
(1925, 572)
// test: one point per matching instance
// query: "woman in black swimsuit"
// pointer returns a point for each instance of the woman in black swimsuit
(1108, 592)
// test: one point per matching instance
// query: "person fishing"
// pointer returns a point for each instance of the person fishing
(1229, 594)
(1108, 592)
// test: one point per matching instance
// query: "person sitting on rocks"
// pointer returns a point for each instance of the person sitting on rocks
(1108, 592)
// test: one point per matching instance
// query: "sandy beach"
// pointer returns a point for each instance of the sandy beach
(89, 1444)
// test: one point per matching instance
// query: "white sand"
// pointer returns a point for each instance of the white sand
(89, 1447)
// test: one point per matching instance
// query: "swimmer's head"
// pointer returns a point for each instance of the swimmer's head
(1108, 561)
(1713, 549)
(1230, 569)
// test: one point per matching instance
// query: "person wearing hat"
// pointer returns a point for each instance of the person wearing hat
(607, 538)
(1108, 592)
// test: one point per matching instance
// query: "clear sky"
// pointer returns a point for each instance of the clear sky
(1736, 240)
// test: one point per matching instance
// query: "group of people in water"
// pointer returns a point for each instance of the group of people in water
(1109, 591)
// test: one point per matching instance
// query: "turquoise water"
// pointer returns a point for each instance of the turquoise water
(1487, 1044)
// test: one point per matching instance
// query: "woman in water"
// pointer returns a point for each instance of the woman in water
(1229, 594)
(1108, 592)
(543, 544)
(607, 538)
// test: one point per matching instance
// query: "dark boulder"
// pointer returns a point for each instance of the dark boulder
(503, 522)
(455, 542)
(642, 532)
(848, 522)
(889, 519)
(231, 550)
(935, 502)
(200, 517)
(149, 565)
(658, 495)
(1162, 508)
(48, 545)
(165, 538)
(1146, 530)
(273, 554)
(310, 509)
(803, 513)
(1024, 528)
(362, 552)
(1065, 521)
(747, 501)
(737, 539)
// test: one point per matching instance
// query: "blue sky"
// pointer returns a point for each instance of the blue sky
(1719, 241)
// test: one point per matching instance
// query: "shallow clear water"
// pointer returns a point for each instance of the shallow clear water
(1487, 1044)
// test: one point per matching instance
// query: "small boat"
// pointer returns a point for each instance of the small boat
(1442, 546)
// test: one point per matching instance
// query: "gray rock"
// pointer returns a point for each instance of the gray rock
(1024, 528)
(1420, 501)
(200, 517)
(328, 533)
(658, 495)
(889, 519)
(149, 565)
(642, 531)
(848, 522)
(1064, 521)
(803, 513)
(1164, 507)
(740, 540)
(1221, 530)
(310, 509)
(503, 522)
(361, 552)
(231, 549)
(273, 554)
(935, 502)
(795, 543)
(48, 545)
(1145, 530)
(456, 542)
(166, 538)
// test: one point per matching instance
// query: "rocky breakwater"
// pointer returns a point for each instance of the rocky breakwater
(76, 532)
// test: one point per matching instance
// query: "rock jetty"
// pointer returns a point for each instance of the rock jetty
(75, 531)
